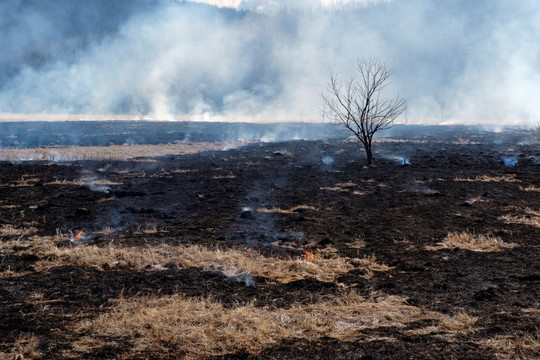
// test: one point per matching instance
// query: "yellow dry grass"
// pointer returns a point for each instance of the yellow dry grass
(83, 182)
(112, 152)
(25, 347)
(530, 217)
(346, 184)
(288, 211)
(10, 230)
(204, 327)
(487, 178)
(357, 244)
(507, 347)
(530, 188)
(224, 177)
(370, 264)
(24, 182)
(323, 266)
(342, 189)
(334, 188)
(146, 229)
(472, 242)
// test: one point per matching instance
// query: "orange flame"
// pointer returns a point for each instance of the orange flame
(308, 255)
(80, 234)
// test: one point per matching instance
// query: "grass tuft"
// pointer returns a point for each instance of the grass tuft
(468, 241)
(531, 218)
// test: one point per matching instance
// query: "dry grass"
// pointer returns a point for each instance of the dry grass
(530, 188)
(370, 264)
(472, 242)
(24, 182)
(338, 188)
(25, 347)
(347, 187)
(334, 188)
(83, 182)
(288, 211)
(323, 266)
(346, 184)
(204, 327)
(113, 152)
(224, 177)
(531, 218)
(10, 230)
(509, 347)
(357, 244)
(511, 178)
(146, 229)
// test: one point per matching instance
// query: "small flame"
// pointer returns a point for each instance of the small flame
(308, 254)
(80, 234)
(252, 253)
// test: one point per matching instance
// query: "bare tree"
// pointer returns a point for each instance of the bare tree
(359, 105)
(442, 105)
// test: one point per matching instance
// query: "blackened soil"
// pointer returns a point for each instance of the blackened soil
(394, 210)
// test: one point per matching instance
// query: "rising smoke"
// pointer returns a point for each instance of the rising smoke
(454, 61)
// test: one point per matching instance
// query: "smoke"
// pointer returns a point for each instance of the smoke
(454, 61)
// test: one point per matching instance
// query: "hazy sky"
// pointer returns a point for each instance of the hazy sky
(457, 60)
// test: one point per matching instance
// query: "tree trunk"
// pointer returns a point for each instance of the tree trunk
(369, 154)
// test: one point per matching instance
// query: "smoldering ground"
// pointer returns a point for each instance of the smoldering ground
(275, 247)
(454, 61)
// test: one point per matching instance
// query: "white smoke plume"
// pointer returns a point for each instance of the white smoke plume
(454, 61)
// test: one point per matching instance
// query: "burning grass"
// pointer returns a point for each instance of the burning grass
(205, 327)
(472, 242)
(323, 266)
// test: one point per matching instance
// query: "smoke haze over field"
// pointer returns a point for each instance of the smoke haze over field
(464, 61)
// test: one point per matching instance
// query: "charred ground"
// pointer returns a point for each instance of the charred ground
(336, 229)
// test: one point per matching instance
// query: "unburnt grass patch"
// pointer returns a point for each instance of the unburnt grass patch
(525, 346)
(510, 178)
(527, 217)
(112, 152)
(472, 242)
(292, 210)
(324, 265)
(205, 327)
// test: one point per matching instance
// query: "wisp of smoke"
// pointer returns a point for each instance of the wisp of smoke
(400, 160)
(328, 160)
(510, 161)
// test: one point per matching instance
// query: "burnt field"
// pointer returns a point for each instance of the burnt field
(226, 247)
